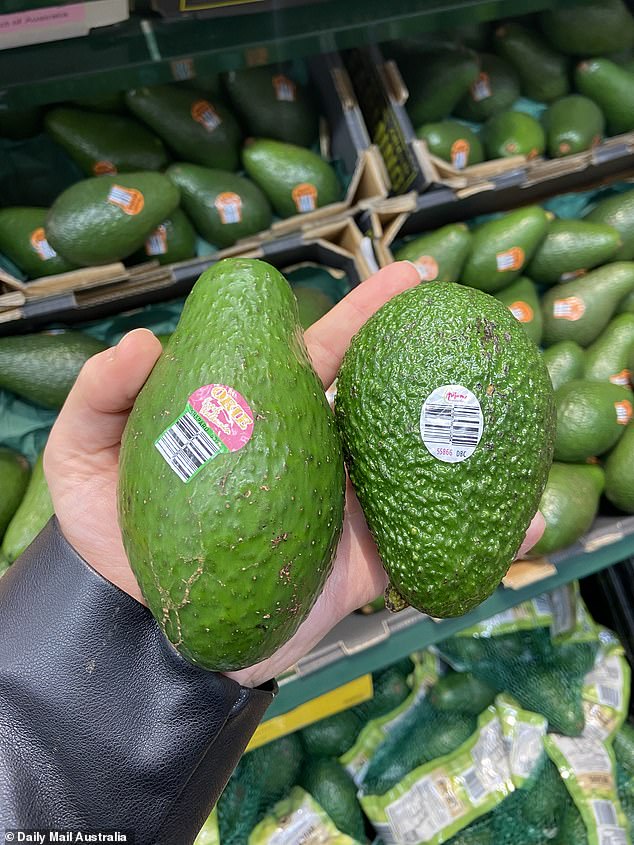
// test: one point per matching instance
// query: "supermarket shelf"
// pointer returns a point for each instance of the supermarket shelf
(362, 644)
(151, 51)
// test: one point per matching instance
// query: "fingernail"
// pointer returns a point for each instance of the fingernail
(417, 268)
(135, 331)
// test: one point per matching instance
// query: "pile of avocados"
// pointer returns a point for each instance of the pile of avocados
(158, 167)
(551, 84)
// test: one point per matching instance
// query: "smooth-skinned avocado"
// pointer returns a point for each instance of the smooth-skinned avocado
(589, 28)
(438, 83)
(564, 361)
(501, 248)
(312, 304)
(617, 211)
(334, 790)
(461, 692)
(270, 104)
(107, 218)
(101, 143)
(579, 310)
(569, 504)
(23, 240)
(627, 304)
(619, 472)
(591, 417)
(439, 256)
(543, 72)
(14, 478)
(570, 248)
(522, 300)
(607, 359)
(573, 124)
(43, 367)
(513, 133)
(495, 90)
(194, 128)
(223, 206)
(34, 511)
(231, 485)
(453, 142)
(114, 102)
(612, 89)
(294, 179)
(174, 239)
(332, 736)
(442, 394)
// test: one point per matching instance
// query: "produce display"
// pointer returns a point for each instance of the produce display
(148, 170)
(554, 84)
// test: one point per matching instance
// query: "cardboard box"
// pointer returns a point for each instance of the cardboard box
(59, 20)
(109, 290)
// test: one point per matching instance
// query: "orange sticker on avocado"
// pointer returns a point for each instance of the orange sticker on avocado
(284, 88)
(510, 259)
(305, 197)
(204, 113)
(229, 207)
(129, 200)
(623, 411)
(481, 88)
(522, 311)
(156, 243)
(100, 168)
(622, 378)
(460, 153)
(427, 267)
(571, 308)
(572, 274)
(41, 245)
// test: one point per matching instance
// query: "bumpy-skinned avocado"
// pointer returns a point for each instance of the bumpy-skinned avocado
(570, 248)
(440, 255)
(231, 476)
(107, 218)
(452, 141)
(105, 143)
(14, 477)
(572, 124)
(224, 207)
(294, 179)
(444, 400)
(23, 240)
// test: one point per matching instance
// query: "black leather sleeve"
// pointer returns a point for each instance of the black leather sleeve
(102, 724)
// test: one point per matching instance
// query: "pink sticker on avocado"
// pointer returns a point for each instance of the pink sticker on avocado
(216, 419)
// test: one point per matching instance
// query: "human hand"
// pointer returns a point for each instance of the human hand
(82, 455)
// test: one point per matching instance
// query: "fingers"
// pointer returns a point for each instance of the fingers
(95, 412)
(533, 535)
(328, 338)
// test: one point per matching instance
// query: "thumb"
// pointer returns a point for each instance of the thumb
(95, 412)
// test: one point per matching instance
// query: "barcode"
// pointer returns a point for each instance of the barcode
(460, 160)
(452, 424)
(610, 696)
(604, 812)
(474, 786)
(186, 447)
(155, 244)
(119, 195)
(506, 261)
(45, 250)
(542, 605)
(612, 836)
(306, 203)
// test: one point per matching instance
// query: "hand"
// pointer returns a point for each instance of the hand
(81, 466)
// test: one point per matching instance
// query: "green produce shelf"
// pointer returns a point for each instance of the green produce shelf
(362, 644)
(151, 51)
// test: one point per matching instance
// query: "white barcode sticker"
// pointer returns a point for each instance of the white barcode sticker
(419, 814)
(451, 423)
(527, 748)
(474, 786)
(216, 419)
(604, 812)
(585, 756)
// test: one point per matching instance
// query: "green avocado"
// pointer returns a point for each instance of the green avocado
(501, 248)
(437, 83)
(229, 568)
(589, 28)
(591, 417)
(573, 124)
(35, 510)
(14, 478)
(312, 304)
(619, 472)
(569, 504)
(570, 248)
(294, 179)
(333, 736)
(334, 790)
(107, 218)
(425, 355)
(564, 362)
(105, 143)
(23, 240)
(579, 310)
(194, 128)
(114, 102)
(521, 298)
(513, 133)
(277, 766)
(272, 105)
(174, 239)
(223, 206)
(607, 359)
(539, 689)
(462, 692)
(439, 256)
(543, 72)
(390, 688)
(617, 211)
(612, 89)
(627, 304)
(453, 142)
(43, 367)
(496, 89)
